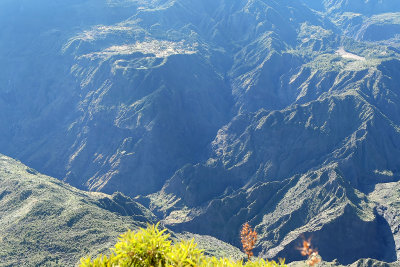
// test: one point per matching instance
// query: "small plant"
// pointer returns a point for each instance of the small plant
(248, 237)
(307, 250)
(152, 248)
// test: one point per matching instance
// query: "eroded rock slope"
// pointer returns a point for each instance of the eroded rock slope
(281, 113)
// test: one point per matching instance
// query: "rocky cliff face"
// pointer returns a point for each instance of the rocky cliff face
(280, 113)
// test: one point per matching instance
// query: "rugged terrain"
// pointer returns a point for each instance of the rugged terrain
(281, 113)
(45, 222)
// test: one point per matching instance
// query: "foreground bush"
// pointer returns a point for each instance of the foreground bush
(152, 247)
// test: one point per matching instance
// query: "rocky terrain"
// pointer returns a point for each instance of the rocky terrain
(46, 222)
(213, 113)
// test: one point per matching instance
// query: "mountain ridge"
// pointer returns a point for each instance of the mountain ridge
(208, 107)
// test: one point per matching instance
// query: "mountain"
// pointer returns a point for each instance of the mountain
(45, 222)
(281, 113)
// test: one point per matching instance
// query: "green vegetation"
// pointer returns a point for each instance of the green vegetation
(152, 247)
(212, 246)
(45, 222)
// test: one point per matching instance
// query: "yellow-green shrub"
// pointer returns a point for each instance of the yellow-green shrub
(152, 247)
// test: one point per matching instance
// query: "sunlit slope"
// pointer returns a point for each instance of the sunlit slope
(44, 221)
(281, 113)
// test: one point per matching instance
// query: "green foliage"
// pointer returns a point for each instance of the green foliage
(152, 247)
(45, 222)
